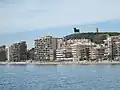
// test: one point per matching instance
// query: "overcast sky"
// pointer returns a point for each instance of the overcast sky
(25, 15)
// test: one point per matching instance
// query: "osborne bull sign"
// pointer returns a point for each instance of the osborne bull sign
(76, 30)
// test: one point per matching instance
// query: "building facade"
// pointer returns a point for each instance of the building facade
(112, 47)
(100, 53)
(64, 50)
(30, 54)
(45, 48)
(81, 51)
(18, 52)
(64, 53)
(3, 53)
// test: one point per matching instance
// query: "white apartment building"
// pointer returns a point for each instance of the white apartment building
(59, 52)
(86, 50)
(75, 48)
(45, 48)
(73, 41)
(79, 49)
(93, 52)
(108, 46)
(64, 51)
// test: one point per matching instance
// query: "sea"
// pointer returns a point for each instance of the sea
(59, 77)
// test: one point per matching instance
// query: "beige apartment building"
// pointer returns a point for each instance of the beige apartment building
(81, 51)
(99, 52)
(45, 48)
(64, 53)
(112, 45)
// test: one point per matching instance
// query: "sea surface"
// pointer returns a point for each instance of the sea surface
(59, 77)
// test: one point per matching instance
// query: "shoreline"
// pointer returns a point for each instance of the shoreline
(62, 63)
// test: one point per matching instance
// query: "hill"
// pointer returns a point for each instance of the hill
(94, 37)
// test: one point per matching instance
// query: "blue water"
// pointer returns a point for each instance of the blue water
(59, 77)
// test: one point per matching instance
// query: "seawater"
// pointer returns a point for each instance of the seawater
(59, 77)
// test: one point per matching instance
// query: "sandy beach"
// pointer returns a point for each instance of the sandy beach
(63, 62)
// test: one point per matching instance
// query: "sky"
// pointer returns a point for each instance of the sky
(27, 15)
(19, 17)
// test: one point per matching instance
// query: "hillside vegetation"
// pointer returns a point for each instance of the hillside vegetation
(94, 37)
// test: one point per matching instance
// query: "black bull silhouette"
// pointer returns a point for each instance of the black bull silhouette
(76, 30)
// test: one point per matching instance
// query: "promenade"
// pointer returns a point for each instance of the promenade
(65, 62)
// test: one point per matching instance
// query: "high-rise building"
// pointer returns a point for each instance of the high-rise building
(3, 53)
(112, 47)
(30, 54)
(45, 48)
(64, 50)
(18, 52)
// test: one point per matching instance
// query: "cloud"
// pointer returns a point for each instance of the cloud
(25, 15)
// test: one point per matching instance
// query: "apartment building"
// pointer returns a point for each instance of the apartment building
(81, 50)
(117, 50)
(64, 50)
(112, 47)
(3, 53)
(99, 52)
(73, 41)
(45, 48)
(18, 52)
(60, 54)
(59, 51)
(30, 54)
(64, 53)
(72, 49)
